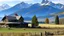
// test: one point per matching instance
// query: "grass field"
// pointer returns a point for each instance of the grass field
(53, 26)
(57, 30)
(33, 31)
(22, 30)
(28, 30)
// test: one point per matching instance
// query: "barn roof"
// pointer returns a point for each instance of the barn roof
(10, 18)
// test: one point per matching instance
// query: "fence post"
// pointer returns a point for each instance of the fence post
(41, 33)
(35, 33)
(46, 34)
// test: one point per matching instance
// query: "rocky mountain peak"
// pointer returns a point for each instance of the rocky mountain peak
(44, 1)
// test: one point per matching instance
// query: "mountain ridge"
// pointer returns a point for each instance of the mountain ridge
(38, 9)
(4, 7)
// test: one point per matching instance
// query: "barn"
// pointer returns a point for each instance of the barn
(13, 21)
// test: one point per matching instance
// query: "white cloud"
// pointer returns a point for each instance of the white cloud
(13, 0)
(25, 0)
(58, 1)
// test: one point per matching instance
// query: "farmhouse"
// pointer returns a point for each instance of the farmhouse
(13, 21)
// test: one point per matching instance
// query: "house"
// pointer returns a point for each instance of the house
(13, 21)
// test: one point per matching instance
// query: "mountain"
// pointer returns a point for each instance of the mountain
(22, 5)
(46, 2)
(59, 6)
(43, 10)
(4, 6)
(38, 10)
(14, 8)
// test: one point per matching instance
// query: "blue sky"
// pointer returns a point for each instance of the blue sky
(14, 2)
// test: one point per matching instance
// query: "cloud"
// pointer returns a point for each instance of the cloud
(13, 0)
(58, 1)
(26, 0)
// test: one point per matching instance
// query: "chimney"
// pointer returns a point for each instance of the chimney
(16, 14)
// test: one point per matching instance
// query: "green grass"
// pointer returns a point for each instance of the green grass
(16, 30)
(19, 30)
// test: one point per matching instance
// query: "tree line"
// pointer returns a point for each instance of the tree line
(35, 22)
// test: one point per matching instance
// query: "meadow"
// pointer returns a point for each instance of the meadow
(56, 30)
(30, 32)
(51, 25)
(44, 27)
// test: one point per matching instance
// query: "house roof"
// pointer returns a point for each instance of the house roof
(10, 18)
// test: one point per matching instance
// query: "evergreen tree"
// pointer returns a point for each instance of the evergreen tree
(21, 19)
(57, 20)
(47, 21)
(34, 21)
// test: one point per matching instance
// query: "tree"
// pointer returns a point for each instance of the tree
(21, 19)
(34, 21)
(47, 21)
(57, 20)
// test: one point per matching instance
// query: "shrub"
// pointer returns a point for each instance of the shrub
(47, 21)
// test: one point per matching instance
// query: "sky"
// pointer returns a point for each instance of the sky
(14, 2)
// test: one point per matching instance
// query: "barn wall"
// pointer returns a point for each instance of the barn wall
(5, 20)
(18, 25)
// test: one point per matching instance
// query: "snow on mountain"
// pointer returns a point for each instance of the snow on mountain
(4, 6)
(23, 5)
(59, 6)
(46, 2)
